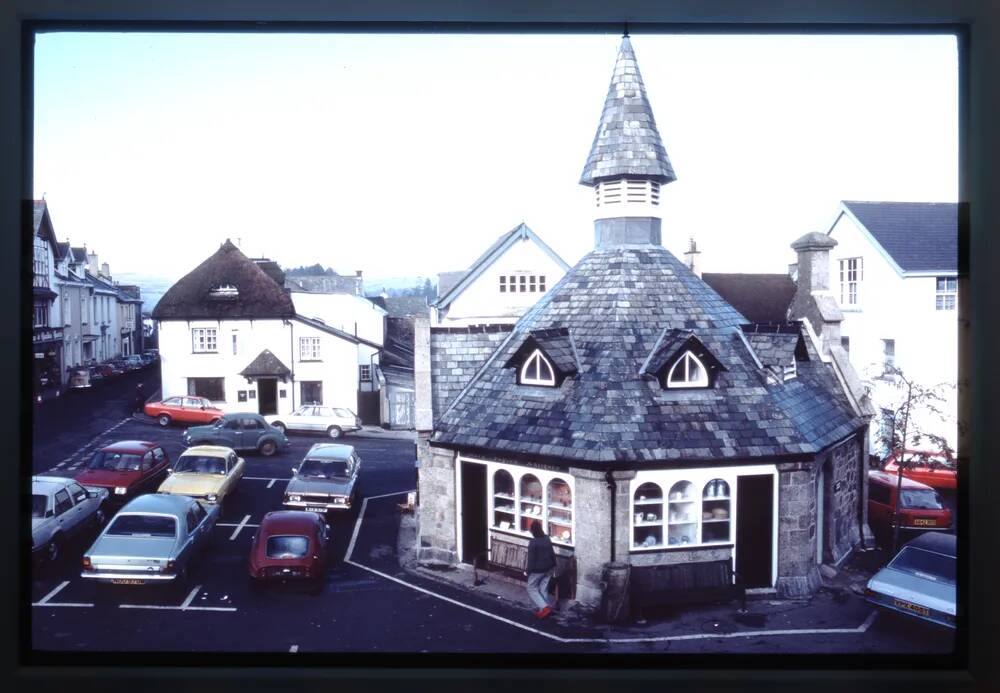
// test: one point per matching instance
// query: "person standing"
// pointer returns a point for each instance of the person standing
(541, 562)
(140, 398)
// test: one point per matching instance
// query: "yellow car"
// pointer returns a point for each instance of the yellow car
(205, 472)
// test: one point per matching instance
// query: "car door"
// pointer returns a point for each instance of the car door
(304, 421)
(326, 418)
(237, 465)
(64, 517)
(231, 433)
(83, 506)
(147, 478)
(161, 462)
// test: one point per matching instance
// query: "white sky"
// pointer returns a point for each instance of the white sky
(409, 154)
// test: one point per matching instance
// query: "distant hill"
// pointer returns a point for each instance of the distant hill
(401, 286)
(151, 288)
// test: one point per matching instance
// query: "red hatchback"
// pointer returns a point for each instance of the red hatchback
(187, 410)
(126, 469)
(289, 545)
(920, 507)
(936, 469)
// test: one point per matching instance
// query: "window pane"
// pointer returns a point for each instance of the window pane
(544, 372)
(695, 373)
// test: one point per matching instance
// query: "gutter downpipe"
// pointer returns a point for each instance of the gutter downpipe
(609, 477)
(291, 348)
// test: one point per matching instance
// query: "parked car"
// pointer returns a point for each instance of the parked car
(207, 472)
(154, 354)
(126, 469)
(96, 377)
(326, 479)
(920, 507)
(151, 540)
(289, 545)
(147, 358)
(108, 370)
(133, 362)
(190, 409)
(239, 432)
(61, 509)
(936, 469)
(919, 581)
(309, 418)
(79, 378)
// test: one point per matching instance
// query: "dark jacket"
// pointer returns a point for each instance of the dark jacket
(541, 557)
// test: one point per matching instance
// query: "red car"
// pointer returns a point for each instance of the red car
(127, 469)
(936, 469)
(187, 410)
(920, 507)
(289, 545)
(108, 370)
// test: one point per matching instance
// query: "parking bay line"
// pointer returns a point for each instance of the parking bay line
(185, 605)
(239, 527)
(610, 641)
(264, 478)
(45, 601)
(361, 514)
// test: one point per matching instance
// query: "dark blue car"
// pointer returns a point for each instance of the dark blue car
(242, 431)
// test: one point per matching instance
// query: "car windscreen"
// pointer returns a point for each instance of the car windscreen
(925, 564)
(143, 526)
(201, 464)
(920, 499)
(323, 469)
(114, 462)
(287, 547)
(38, 504)
(343, 412)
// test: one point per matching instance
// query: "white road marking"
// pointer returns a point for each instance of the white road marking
(235, 524)
(668, 638)
(264, 478)
(387, 495)
(51, 594)
(177, 608)
(70, 604)
(239, 527)
(90, 444)
(190, 597)
(293, 648)
(271, 483)
(60, 465)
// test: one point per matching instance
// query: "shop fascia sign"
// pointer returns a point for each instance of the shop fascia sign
(47, 335)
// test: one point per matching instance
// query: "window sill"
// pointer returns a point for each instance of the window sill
(204, 352)
(684, 547)
(310, 360)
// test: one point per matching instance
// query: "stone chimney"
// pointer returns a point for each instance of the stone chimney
(92, 263)
(423, 411)
(691, 257)
(105, 270)
(813, 300)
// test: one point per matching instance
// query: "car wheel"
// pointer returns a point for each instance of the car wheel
(334, 431)
(54, 550)
(280, 426)
(268, 448)
(163, 419)
(99, 518)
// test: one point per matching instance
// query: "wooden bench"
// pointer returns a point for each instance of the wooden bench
(511, 558)
(684, 583)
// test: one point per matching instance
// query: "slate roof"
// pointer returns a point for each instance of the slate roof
(79, 254)
(266, 363)
(323, 327)
(627, 142)
(404, 306)
(130, 292)
(62, 249)
(456, 285)
(670, 345)
(774, 350)
(616, 303)
(325, 283)
(557, 343)
(918, 236)
(760, 297)
(457, 354)
(259, 296)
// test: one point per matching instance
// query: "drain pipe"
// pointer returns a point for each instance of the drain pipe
(610, 479)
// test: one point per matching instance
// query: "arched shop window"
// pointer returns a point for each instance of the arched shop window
(682, 514)
(715, 512)
(504, 510)
(531, 501)
(559, 502)
(647, 517)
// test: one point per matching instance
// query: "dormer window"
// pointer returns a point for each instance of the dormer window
(537, 370)
(687, 371)
(224, 291)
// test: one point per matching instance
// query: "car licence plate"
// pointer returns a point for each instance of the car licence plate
(127, 581)
(919, 522)
(909, 606)
(316, 508)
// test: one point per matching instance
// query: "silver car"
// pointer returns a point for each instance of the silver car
(326, 479)
(151, 540)
(919, 581)
(333, 421)
(60, 509)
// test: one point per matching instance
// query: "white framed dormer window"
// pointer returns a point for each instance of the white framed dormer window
(309, 349)
(687, 371)
(946, 293)
(850, 281)
(537, 370)
(203, 340)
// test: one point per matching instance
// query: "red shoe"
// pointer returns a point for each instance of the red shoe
(543, 613)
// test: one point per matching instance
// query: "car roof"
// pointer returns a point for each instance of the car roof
(166, 503)
(130, 446)
(936, 541)
(329, 451)
(242, 414)
(49, 484)
(889, 478)
(280, 521)
(210, 450)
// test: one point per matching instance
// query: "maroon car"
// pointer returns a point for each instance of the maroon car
(289, 545)
(126, 469)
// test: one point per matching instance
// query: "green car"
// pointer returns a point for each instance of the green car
(239, 432)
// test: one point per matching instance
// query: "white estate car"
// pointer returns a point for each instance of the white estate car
(60, 509)
(316, 418)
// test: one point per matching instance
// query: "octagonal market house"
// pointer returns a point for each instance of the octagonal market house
(639, 416)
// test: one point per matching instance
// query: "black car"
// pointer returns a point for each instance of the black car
(242, 431)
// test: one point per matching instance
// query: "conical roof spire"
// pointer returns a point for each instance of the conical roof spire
(627, 142)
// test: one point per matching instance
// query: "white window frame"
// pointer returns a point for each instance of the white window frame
(309, 349)
(204, 340)
(888, 355)
(365, 373)
(942, 295)
(851, 276)
(686, 358)
(540, 358)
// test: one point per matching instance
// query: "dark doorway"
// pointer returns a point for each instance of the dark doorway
(267, 396)
(754, 529)
(368, 408)
(474, 539)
